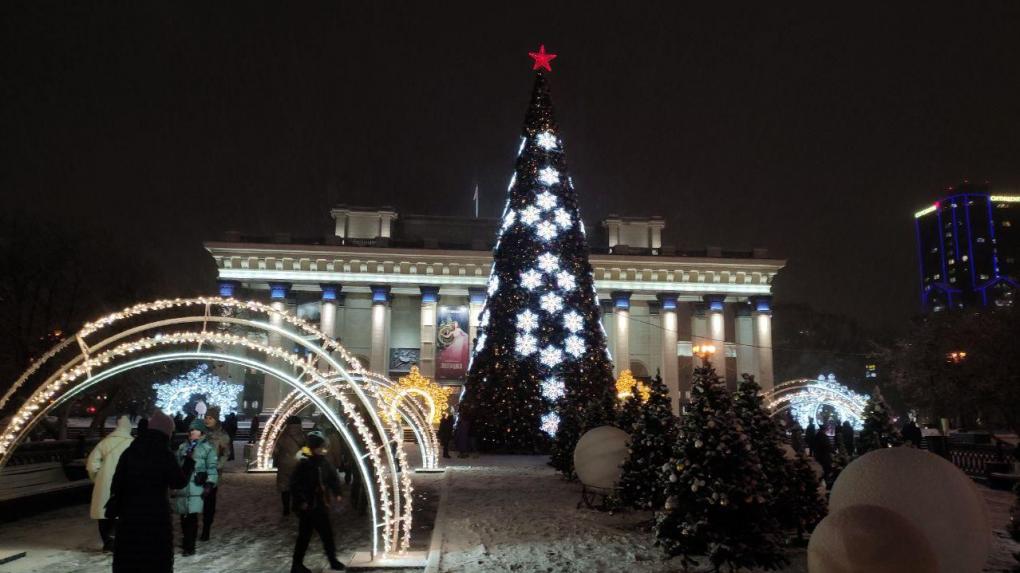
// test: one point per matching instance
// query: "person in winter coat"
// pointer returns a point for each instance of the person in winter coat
(139, 500)
(230, 426)
(290, 442)
(188, 500)
(847, 431)
(809, 434)
(821, 450)
(462, 435)
(912, 434)
(314, 485)
(101, 465)
(445, 433)
(220, 440)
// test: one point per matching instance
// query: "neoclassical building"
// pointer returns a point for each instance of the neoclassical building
(407, 289)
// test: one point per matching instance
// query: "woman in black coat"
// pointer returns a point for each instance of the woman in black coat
(140, 500)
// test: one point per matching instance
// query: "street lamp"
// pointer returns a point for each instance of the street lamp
(703, 351)
(956, 357)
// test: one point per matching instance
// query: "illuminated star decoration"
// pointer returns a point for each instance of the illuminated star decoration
(542, 59)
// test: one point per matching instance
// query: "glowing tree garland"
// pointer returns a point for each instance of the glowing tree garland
(171, 397)
(133, 347)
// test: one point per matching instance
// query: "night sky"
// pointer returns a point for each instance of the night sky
(812, 131)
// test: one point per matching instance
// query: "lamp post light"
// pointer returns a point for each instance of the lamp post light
(956, 357)
(703, 351)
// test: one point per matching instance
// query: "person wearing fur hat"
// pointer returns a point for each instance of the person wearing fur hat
(314, 485)
(138, 500)
(189, 500)
(219, 439)
(101, 464)
(290, 442)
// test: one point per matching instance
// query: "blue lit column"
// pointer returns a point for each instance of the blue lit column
(670, 365)
(228, 289)
(272, 390)
(761, 317)
(429, 304)
(380, 315)
(621, 342)
(327, 308)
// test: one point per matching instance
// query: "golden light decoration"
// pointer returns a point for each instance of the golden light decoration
(437, 397)
(626, 385)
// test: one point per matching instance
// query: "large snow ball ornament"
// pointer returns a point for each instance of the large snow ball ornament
(598, 456)
(932, 494)
(869, 539)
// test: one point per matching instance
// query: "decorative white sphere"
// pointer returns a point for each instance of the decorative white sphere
(929, 492)
(868, 539)
(599, 455)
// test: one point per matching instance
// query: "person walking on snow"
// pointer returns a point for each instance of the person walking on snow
(445, 433)
(188, 501)
(138, 500)
(220, 440)
(290, 442)
(101, 464)
(313, 486)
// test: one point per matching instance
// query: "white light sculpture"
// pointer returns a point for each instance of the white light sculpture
(548, 262)
(806, 397)
(574, 345)
(553, 389)
(545, 200)
(526, 344)
(550, 356)
(549, 176)
(546, 140)
(563, 218)
(550, 423)
(493, 285)
(530, 215)
(527, 321)
(551, 302)
(531, 279)
(573, 321)
(546, 231)
(480, 343)
(565, 280)
(171, 397)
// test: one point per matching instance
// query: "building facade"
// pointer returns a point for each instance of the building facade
(967, 249)
(398, 291)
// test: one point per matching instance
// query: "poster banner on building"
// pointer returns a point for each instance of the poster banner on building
(453, 344)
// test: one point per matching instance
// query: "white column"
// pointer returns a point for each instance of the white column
(670, 366)
(429, 304)
(717, 332)
(621, 347)
(746, 355)
(476, 300)
(762, 317)
(272, 389)
(380, 307)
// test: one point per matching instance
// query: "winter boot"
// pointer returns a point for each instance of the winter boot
(335, 565)
(205, 533)
(299, 568)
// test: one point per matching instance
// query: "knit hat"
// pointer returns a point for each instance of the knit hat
(293, 420)
(199, 425)
(160, 422)
(213, 412)
(315, 439)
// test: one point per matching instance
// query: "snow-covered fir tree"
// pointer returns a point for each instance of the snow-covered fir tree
(540, 369)
(652, 435)
(878, 431)
(805, 505)
(717, 495)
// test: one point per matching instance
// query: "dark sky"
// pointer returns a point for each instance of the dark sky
(814, 131)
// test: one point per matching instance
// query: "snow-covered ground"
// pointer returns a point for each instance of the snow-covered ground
(517, 514)
(501, 513)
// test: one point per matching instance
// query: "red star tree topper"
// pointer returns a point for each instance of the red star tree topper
(541, 58)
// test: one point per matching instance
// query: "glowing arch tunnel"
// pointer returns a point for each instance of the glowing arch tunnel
(230, 331)
(805, 398)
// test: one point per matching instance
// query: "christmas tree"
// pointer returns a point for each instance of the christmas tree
(718, 496)
(804, 505)
(878, 431)
(540, 368)
(652, 435)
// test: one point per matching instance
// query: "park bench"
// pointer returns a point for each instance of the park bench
(29, 480)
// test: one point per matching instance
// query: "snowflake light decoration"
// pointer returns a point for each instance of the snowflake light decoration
(573, 321)
(171, 397)
(480, 343)
(545, 200)
(526, 344)
(553, 389)
(563, 218)
(493, 284)
(484, 320)
(530, 215)
(550, 356)
(574, 345)
(550, 423)
(551, 302)
(548, 262)
(549, 176)
(565, 280)
(527, 321)
(531, 279)
(546, 230)
(546, 140)
(509, 219)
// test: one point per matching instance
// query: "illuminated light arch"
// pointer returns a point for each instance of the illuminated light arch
(144, 340)
(805, 398)
(294, 402)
